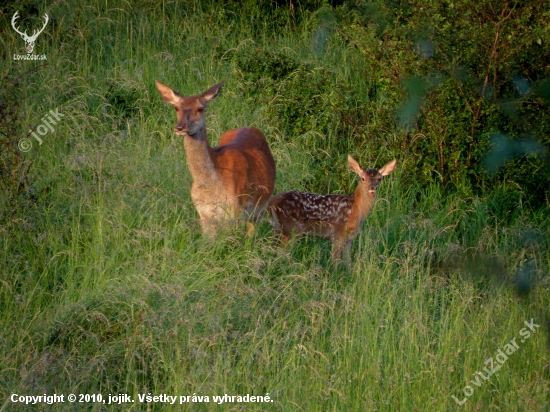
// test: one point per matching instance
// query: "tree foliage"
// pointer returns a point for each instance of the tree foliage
(469, 83)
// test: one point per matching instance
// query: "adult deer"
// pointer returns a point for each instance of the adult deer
(337, 217)
(229, 181)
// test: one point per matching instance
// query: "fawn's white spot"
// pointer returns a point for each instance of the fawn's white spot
(310, 207)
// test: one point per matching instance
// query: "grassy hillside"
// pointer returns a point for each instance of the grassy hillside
(107, 286)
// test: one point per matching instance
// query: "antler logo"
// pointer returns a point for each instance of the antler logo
(29, 40)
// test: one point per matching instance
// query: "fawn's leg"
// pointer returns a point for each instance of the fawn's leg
(337, 245)
(347, 252)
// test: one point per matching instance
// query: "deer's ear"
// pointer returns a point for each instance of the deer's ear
(354, 166)
(211, 93)
(167, 93)
(388, 168)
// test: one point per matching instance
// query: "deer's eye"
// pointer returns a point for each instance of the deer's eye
(177, 110)
(200, 109)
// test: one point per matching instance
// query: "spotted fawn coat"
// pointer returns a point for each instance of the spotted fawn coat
(336, 217)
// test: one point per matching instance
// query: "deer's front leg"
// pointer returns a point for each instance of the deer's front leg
(337, 246)
(209, 228)
(347, 252)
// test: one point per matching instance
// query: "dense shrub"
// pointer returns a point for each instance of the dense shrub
(456, 75)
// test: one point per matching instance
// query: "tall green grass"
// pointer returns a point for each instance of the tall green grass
(107, 286)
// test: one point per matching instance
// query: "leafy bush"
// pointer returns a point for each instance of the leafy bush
(456, 74)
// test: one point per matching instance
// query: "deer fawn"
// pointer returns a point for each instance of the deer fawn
(230, 180)
(337, 217)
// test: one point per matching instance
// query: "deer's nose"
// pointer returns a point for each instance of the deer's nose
(180, 127)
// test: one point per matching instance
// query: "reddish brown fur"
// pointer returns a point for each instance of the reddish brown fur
(244, 166)
(235, 177)
(337, 217)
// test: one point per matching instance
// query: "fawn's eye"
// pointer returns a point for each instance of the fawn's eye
(176, 109)
(200, 109)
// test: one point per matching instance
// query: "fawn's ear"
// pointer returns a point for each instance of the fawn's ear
(211, 93)
(354, 166)
(167, 93)
(388, 168)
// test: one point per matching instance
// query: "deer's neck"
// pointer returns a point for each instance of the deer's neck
(199, 158)
(363, 201)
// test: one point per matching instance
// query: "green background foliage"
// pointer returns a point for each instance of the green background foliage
(464, 78)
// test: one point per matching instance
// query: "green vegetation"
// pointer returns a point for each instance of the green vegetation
(107, 286)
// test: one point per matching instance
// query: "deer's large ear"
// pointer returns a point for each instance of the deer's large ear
(354, 166)
(388, 168)
(211, 93)
(167, 93)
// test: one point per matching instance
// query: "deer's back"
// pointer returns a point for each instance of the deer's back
(245, 164)
(322, 215)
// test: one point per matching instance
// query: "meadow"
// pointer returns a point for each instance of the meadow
(107, 286)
